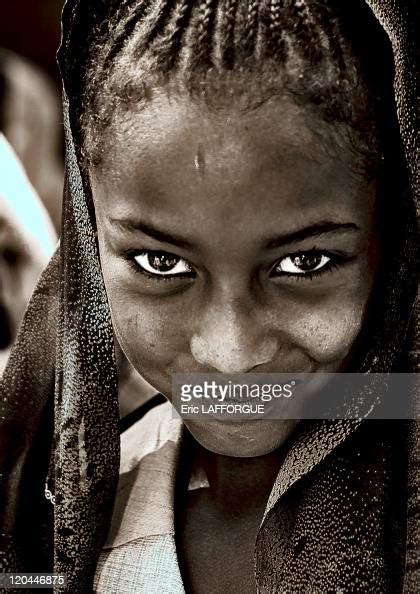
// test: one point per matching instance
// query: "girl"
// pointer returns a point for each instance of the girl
(232, 168)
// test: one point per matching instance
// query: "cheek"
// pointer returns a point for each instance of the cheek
(327, 330)
(151, 331)
(151, 334)
(328, 336)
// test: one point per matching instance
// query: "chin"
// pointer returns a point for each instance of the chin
(241, 439)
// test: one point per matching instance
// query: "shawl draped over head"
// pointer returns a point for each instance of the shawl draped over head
(344, 511)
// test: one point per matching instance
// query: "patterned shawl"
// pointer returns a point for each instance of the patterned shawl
(344, 511)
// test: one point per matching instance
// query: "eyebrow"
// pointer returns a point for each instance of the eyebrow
(321, 228)
(147, 229)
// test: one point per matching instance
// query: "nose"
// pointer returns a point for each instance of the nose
(230, 340)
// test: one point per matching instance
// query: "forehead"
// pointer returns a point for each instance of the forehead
(176, 156)
(175, 124)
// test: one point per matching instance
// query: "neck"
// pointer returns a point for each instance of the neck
(239, 486)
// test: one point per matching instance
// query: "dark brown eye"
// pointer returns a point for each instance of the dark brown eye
(301, 263)
(306, 262)
(163, 264)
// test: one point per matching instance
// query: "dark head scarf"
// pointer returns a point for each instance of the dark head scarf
(344, 511)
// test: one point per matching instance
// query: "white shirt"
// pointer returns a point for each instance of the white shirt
(140, 553)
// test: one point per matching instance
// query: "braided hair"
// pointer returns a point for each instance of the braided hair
(235, 52)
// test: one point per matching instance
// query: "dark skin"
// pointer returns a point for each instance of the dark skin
(218, 526)
(227, 206)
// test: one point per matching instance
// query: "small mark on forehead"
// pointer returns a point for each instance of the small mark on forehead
(199, 160)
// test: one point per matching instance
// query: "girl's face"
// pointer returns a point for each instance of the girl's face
(233, 242)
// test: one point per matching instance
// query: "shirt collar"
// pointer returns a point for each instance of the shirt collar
(144, 504)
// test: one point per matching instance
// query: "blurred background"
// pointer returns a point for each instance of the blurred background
(31, 28)
(31, 154)
(30, 117)
(31, 168)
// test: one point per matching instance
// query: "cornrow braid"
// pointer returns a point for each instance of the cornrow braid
(165, 49)
(202, 39)
(276, 28)
(226, 34)
(251, 27)
(311, 44)
(265, 47)
(331, 31)
(154, 23)
(121, 31)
